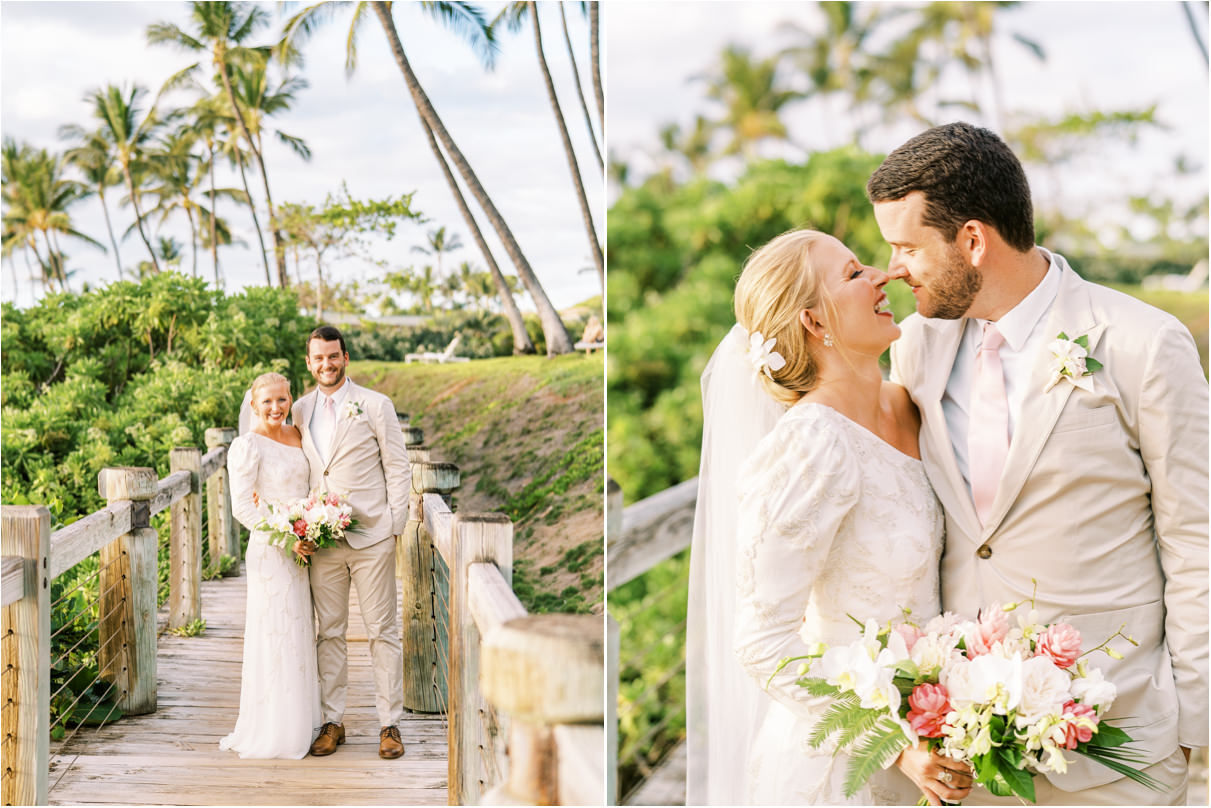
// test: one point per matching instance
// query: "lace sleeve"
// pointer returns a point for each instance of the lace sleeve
(243, 464)
(796, 493)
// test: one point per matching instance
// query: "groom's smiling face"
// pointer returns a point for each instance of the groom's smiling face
(327, 362)
(942, 279)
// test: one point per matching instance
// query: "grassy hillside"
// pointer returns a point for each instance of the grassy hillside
(527, 434)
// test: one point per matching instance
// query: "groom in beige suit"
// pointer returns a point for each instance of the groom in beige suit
(1088, 480)
(355, 447)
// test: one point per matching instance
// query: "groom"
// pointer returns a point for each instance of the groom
(1091, 487)
(353, 442)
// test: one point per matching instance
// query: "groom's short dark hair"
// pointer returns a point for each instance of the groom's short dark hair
(327, 333)
(965, 173)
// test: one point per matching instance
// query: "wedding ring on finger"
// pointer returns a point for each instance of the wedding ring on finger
(946, 777)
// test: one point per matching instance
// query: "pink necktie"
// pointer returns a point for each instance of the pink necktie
(988, 426)
(329, 415)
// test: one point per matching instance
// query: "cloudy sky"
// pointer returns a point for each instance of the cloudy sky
(364, 131)
(1103, 55)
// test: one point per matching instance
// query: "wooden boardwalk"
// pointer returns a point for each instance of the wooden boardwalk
(172, 757)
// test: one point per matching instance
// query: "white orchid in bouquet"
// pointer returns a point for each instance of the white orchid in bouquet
(1008, 700)
(319, 517)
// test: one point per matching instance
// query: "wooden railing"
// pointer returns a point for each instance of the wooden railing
(522, 693)
(638, 538)
(121, 535)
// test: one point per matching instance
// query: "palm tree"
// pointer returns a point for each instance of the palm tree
(179, 173)
(513, 14)
(128, 132)
(470, 21)
(36, 198)
(595, 60)
(753, 96)
(222, 28)
(438, 245)
(588, 121)
(94, 159)
(231, 148)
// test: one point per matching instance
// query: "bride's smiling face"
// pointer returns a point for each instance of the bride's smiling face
(272, 403)
(859, 319)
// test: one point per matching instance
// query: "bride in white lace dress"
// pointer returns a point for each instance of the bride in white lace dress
(279, 688)
(813, 505)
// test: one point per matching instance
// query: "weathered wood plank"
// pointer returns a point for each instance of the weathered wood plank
(476, 538)
(72, 544)
(439, 521)
(12, 579)
(25, 683)
(580, 751)
(611, 709)
(223, 538)
(171, 489)
(185, 543)
(414, 563)
(492, 601)
(212, 461)
(172, 756)
(653, 529)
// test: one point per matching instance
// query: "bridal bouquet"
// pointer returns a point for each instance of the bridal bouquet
(1007, 700)
(319, 517)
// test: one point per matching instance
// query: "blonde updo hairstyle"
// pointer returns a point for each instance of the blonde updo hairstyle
(778, 282)
(264, 380)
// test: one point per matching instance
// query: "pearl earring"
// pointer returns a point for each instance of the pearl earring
(828, 340)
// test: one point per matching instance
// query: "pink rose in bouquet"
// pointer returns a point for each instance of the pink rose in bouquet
(1062, 643)
(928, 705)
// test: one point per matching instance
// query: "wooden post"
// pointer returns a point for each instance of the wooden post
(544, 671)
(611, 710)
(413, 435)
(25, 746)
(613, 510)
(185, 543)
(476, 538)
(127, 631)
(425, 634)
(224, 537)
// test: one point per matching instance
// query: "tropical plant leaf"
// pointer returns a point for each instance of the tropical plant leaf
(1109, 736)
(876, 749)
(819, 687)
(1119, 761)
(1091, 365)
(862, 723)
(840, 714)
(1019, 781)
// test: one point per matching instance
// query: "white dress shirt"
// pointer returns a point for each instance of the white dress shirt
(321, 431)
(1022, 326)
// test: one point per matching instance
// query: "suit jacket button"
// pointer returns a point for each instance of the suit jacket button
(325, 473)
(984, 552)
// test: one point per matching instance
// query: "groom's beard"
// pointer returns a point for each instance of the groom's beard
(337, 380)
(950, 296)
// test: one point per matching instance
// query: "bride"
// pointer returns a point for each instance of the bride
(813, 504)
(279, 687)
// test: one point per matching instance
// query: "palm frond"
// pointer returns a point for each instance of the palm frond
(874, 752)
(468, 21)
(860, 724)
(1120, 761)
(840, 714)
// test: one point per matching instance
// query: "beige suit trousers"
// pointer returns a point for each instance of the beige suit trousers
(372, 571)
(1172, 771)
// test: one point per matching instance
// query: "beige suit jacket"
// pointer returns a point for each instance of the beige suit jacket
(1103, 502)
(368, 463)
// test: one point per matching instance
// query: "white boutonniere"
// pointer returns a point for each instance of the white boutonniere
(762, 355)
(353, 409)
(1070, 360)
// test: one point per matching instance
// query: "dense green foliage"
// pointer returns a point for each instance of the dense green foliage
(118, 377)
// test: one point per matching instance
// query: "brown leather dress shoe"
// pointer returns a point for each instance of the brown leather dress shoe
(390, 745)
(331, 736)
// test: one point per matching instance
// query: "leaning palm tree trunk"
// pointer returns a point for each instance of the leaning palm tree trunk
(214, 247)
(239, 161)
(110, 229)
(595, 59)
(573, 167)
(558, 341)
(521, 338)
(134, 202)
(193, 239)
(588, 120)
(279, 255)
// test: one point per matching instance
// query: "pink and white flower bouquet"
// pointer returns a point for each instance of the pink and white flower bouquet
(1007, 699)
(319, 517)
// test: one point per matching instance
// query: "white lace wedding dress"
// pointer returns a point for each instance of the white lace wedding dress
(832, 521)
(279, 687)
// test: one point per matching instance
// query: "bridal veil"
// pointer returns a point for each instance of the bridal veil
(724, 706)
